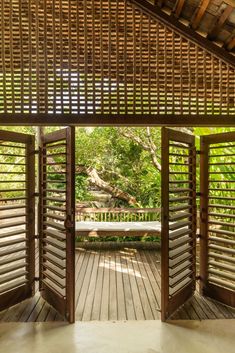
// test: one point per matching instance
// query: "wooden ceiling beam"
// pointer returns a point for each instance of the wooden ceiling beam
(199, 14)
(230, 2)
(160, 3)
(178, 8)
(212, 35)
(116, 120)
(186, 32)
(231, 44)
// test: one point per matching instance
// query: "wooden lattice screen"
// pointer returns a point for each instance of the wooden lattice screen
(104, 57)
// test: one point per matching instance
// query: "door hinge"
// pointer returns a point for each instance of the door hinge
(36, 194)
(198, 193)
(198, 278)
(36, 236)
(36, 278)
(198, 152)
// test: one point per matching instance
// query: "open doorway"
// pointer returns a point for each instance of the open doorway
(115, 280)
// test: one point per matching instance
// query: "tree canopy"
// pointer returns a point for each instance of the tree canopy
(123, 162)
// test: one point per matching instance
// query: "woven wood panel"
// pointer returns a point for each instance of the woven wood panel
(104, 57)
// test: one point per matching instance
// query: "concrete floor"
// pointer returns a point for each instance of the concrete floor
(214, 336)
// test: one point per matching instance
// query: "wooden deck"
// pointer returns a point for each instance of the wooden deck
(117, 285)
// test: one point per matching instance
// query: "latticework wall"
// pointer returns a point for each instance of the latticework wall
(104, 57)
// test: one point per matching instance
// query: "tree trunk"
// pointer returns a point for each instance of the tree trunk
(95, 179)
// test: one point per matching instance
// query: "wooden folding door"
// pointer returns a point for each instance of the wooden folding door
(56, 221)
(17, 218)
(178, 219)
(217, 255)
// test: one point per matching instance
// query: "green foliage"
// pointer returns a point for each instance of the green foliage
(12, 159)
(121, 162)
(81, 186)
(117, 239)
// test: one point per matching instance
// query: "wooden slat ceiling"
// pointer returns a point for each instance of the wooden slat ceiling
(212, 19)
(108, 57)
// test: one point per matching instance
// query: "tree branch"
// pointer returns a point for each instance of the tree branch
(116, 174)
(152, 150)
(149, 146)
(137, 139)
(95, 179)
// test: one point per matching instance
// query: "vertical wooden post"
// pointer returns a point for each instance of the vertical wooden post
(70, 211)
(30, 210)
(164, 220)
(203, 214)
(41, 170)
(193, 204)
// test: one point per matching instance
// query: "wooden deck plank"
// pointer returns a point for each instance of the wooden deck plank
(3, 314)
(58, 317)
(148, 289)
(85, 287)
(135, 290)
(104, 310)
(79, 267)
(113, 311)
(39, 307)
(200, 313)
(121, 302)
(96, 307)
(130, 312)
(86, 316)
(117, 285)
(29, 307)
(205, 305)
(217, 309)
(188, 307)
(81, 277)
(202, 305)
(51, 314)
(43, 313)
(142, 288)
(227, 312)
(155, 285)
(13, 313)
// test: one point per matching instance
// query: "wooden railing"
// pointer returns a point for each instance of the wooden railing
(117, 214)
